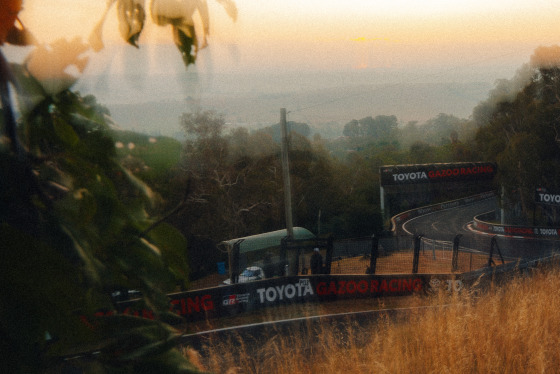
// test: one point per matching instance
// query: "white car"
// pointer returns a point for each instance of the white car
(252, 273)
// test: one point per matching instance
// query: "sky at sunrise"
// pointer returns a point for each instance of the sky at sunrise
(336, 34)
(293, 45)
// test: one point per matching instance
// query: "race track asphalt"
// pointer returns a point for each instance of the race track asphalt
(445, 225)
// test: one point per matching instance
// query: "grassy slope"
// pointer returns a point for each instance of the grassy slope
(514, 328)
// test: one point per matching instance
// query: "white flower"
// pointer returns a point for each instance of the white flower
(59, 65)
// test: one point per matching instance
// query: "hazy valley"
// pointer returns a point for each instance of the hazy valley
(325, 101)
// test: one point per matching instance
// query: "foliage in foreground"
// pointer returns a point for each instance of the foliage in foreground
(73, 221)
(510, 329)
(74, 229)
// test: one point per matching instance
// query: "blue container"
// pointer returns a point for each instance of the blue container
(221, 267)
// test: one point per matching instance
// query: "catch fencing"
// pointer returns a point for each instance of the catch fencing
(401, 254)
(408, 255)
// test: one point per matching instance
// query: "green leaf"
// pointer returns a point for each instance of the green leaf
(131, 15)
(140, 185)
(173, 247)
(30, 90)
(41, 289)
(65, 132)
(185, 39)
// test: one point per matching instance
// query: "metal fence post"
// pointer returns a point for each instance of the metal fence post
(455, 258)
(296, 262)
(234, 262)
(283, 256)
(417, 242)
(490, 260)
(373, 255)
(494, 243)
(328, 256)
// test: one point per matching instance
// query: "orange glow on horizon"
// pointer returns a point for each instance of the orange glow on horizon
(331, 34)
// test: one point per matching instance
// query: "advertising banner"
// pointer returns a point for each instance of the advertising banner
(245, 297)
(436, 173)
(516, 231)
(543, 196)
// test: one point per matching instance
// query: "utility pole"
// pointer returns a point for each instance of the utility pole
(286, 175)
(291, 266)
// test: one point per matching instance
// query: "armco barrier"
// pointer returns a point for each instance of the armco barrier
(246, 297)
(481, 224)
(202, 304)
(242, 298)
(409, 214)
(259, 333)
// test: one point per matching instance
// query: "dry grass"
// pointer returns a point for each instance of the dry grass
(513, 328)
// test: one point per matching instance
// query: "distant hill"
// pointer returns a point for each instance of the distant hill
(407, 101)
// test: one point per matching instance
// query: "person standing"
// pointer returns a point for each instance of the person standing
(316, 262)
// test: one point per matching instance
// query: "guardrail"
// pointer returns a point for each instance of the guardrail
(322, 288)
(237, 299)
(241, 298)
(522, 232)
(417, 212)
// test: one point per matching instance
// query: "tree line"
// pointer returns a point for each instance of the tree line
(235, 174)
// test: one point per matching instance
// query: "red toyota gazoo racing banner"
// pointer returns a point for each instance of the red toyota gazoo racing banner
(436, 173)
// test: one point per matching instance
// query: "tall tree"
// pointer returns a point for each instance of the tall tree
(522, 133)
(380, 128)
(235, 174)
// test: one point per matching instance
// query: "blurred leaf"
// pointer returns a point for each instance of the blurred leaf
(65, 132)
(20, 36)
(74, 232)
(230, 7)
(95, 39)
(180, 14)
(44, 287)
(202, 7)
(29, 89)
(173, 12)
(138, 337)
(134, 344)
(173, 247)
(185, 40)
(146, 190)
(131, 19)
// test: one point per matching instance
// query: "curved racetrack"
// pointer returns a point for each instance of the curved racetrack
(445, 225)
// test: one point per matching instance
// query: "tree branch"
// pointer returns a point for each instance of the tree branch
(174, 211)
